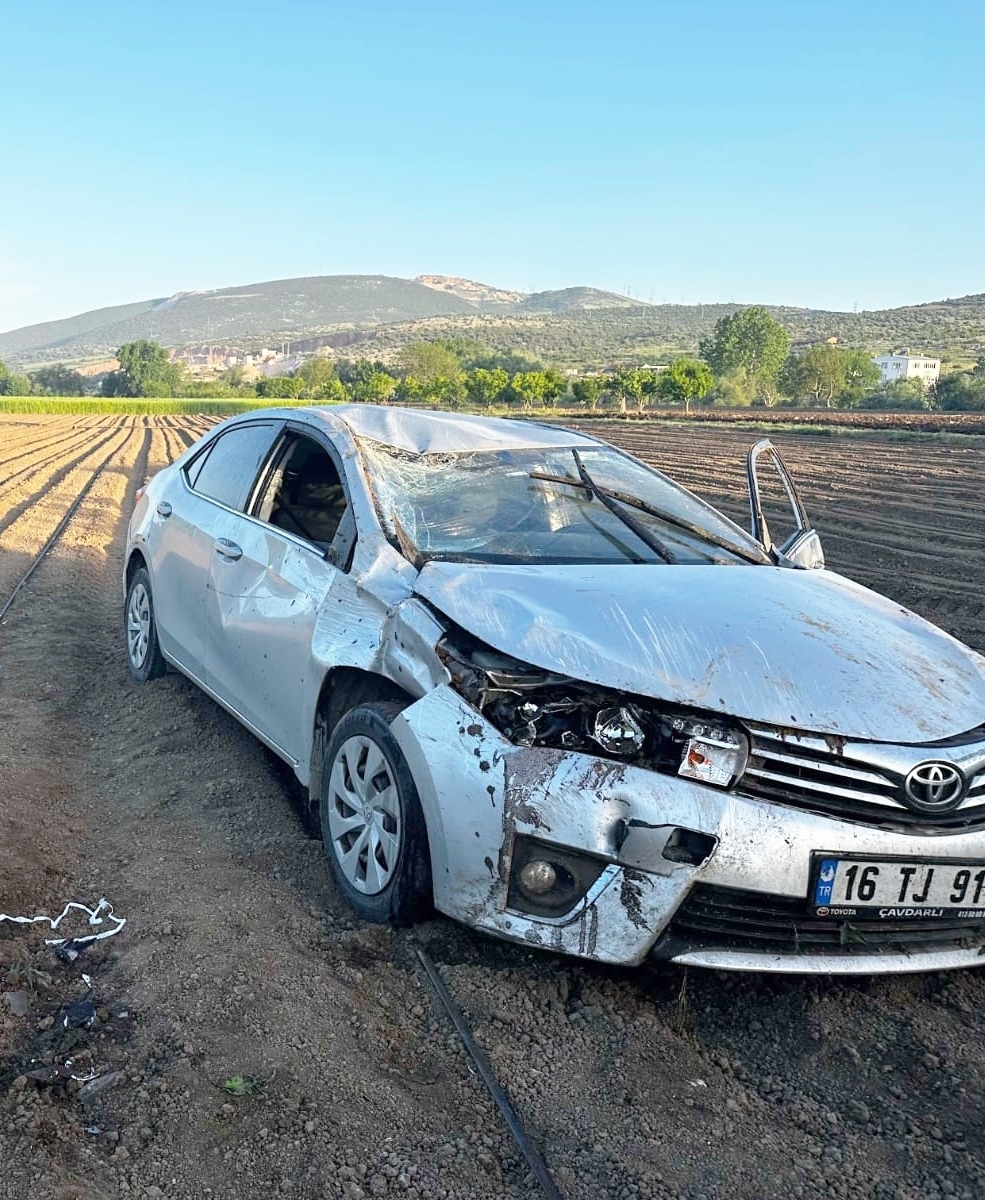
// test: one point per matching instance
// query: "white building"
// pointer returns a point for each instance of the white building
(908, 366)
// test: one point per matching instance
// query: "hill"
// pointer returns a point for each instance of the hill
(278, 311)
(374, 315)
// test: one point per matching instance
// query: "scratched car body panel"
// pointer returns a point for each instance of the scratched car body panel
(629, 728)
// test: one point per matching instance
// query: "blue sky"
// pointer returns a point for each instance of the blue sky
(819, 155)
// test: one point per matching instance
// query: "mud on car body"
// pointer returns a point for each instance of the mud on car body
(533, 682)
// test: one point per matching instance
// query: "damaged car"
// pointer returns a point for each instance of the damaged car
(531, 682)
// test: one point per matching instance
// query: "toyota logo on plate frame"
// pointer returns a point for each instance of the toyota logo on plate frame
(934, 787)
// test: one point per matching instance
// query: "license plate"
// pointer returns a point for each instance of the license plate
(897, 889)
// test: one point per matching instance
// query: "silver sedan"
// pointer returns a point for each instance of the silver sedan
(533, 683)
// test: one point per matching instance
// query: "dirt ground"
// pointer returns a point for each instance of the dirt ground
(238, 959)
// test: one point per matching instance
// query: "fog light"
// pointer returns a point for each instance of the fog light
(547, 880)
(537, 877)
(618, 731)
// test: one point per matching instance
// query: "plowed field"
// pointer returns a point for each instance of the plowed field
(238, 959)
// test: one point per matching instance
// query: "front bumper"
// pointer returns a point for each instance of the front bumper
(479, 792)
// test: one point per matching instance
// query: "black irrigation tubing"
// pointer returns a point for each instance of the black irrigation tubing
(73, 507)
(509, 1114)
(60, 441)
(38, 465)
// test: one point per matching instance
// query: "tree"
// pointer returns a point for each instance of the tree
(233, 377)
(429, 361)
(280, 387)
(145, 370)
(861, 376)
(538, 388)
(900, 395)
(964, 391)
(588, 390)
(469, 352)
(686, 379)
(319, 381)
(555, 385)
(486, 387)
(735, 389)
(634, 383)
(820, 373)
(508, 361)
(377, 387)
(750, 340)
(357, 370)
(58, 380)
(13, 385)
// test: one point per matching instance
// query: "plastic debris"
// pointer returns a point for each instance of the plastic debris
(18, 1002)
(79, 1014)
(69, 947)
(68, 952)
(100, 1084)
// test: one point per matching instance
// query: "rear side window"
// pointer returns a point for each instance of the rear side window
(231, 464)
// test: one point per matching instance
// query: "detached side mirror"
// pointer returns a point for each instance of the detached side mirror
(804, 551)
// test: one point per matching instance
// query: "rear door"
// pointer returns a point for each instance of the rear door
(273, 565)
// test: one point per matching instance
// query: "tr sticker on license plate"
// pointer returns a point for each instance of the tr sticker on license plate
(891, 889)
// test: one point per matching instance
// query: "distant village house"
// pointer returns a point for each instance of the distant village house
(905, 365)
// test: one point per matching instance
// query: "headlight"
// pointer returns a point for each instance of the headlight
(532, 707)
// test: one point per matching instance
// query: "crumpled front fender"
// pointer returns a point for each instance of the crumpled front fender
(479, 792)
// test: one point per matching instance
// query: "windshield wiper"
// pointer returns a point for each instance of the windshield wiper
(609, 501)
(605, 495)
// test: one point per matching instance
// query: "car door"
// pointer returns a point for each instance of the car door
(778, 519)
(274, 564)
(184, 531)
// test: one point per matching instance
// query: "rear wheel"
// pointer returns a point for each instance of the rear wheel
(144, 658)
(372, 823)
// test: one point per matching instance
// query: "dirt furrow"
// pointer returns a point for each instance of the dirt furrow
(25, 528)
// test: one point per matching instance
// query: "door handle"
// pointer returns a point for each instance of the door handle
(228, 550)
(164, 509)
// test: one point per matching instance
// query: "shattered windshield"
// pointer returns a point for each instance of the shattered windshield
(590, 504)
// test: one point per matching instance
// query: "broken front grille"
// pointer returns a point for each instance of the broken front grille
(720, 918)
(809, 775)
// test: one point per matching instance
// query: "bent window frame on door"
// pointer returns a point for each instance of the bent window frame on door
(265, 496)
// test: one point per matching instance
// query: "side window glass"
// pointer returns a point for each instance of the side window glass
(231, 466)
(304, 494)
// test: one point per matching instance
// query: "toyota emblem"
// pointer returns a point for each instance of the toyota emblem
(934, 787)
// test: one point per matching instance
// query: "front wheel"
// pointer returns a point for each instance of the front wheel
(372, 823)
(144, 658)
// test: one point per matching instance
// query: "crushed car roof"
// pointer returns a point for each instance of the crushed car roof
(423, 431)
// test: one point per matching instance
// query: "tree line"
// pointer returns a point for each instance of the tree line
(746, 360)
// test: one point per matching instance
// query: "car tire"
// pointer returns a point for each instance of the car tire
(371, 819)
(144, 658)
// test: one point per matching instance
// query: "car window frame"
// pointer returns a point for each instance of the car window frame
(202, 456)
(340, 552)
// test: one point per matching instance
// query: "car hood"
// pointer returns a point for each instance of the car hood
(808, 649)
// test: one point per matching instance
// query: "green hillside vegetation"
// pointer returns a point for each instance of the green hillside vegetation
(375, 316)
(70, 331)
(746, 360)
